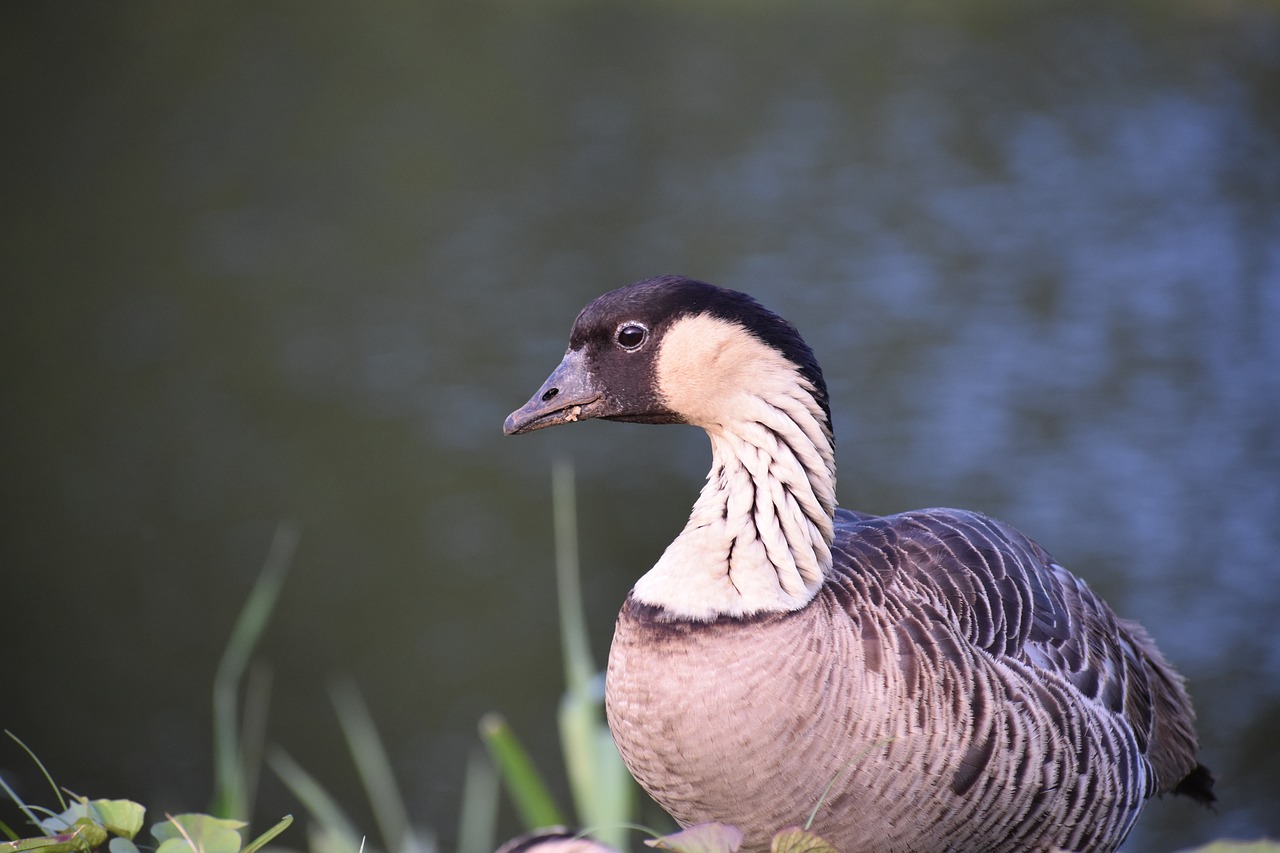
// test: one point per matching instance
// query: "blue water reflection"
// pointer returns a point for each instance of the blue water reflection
(263, 266)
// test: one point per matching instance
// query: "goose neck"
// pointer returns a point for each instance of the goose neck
(759, 536)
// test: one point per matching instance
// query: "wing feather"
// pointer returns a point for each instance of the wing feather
(993, 588)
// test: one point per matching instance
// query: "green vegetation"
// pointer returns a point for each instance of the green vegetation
(84, 825)
(604, 795)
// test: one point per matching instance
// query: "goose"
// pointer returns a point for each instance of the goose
(930, 680)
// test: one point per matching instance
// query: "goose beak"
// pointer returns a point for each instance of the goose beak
(568, 395)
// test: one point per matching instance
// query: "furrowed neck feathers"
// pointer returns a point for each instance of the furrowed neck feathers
(759, 537)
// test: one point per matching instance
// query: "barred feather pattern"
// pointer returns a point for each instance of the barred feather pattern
(956, 688)
(759, 536)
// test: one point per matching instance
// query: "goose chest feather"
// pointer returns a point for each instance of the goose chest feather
(930, 680)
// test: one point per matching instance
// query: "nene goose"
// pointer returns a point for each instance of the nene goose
(930, 680)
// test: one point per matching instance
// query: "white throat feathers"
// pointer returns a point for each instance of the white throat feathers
(759, 537)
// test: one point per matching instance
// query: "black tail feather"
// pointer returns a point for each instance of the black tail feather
(1198, 785)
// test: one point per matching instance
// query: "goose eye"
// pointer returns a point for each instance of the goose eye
(631, 336)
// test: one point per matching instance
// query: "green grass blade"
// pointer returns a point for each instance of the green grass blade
(253, 731)
(230, 787)
(265, 838)
(372, 764)
(579, 667)
(315, 799)
(606, 794)
(603, 791)
(532, 798)
(477, 823)
(17, 801)
(57, 792)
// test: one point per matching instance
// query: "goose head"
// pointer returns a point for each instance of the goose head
(674, 350)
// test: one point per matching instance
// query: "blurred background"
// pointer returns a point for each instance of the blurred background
(267, 261)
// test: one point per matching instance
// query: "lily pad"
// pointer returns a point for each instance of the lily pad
(198, 833)
(119, 817)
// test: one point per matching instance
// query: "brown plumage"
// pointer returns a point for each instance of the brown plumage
(960, 690)
(931, 680)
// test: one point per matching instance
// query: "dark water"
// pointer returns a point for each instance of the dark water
(269, 262)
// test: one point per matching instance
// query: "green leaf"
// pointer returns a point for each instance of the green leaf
(85, 834)
(120, 817)
(271, 833)
(122, 845)
(66, 820)
(793, 839)
(94, 820)
(198, 833)
(701, 838)
(532, 798)
(177, 845)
